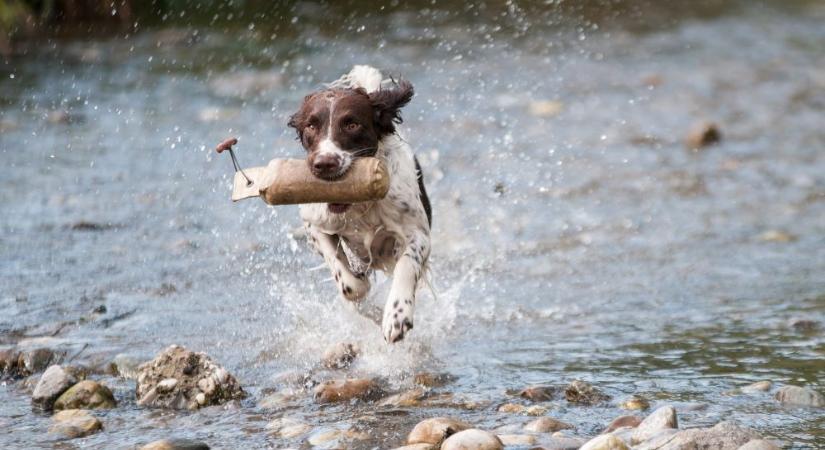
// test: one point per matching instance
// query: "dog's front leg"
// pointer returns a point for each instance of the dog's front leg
(352, 287)
(398, 311)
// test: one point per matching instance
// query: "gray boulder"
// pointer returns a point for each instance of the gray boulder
(54, 382)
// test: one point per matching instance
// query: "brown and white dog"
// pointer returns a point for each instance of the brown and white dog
(356, 116)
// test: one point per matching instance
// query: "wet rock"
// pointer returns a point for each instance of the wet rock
(86, 394)
(635, 403)
(125, 366)
(280, 399)
(287, 428)
(805, 325)
(538, 393)
(547, 425)
(703, 134)
(335, 438)
(434, 431)
(759, 444)
(662, 418)
(776, 236)
(339, 356)
(176, 377)
(800, 396)
(605, 442)
(722, 436)
(37, 360)
(417, 447)
(52, 384)
(545, 108)
(74, 423)
(346, 390)
(622, 422)
(659, 440)
(517, 440)
(759, 386)
(472, 439)
(433, 380)
(175, 444)
(534, 410)
(584, 393)
(408, 398)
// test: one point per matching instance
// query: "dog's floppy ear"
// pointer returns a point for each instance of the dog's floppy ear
(297, 120)
(387, 104)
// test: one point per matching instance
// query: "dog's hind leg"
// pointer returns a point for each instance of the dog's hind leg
(352, 287)
(398, 311)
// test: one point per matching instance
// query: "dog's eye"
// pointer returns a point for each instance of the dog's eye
(352, 126)
(311, 127)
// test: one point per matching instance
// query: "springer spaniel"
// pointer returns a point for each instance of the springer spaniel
(353, 117)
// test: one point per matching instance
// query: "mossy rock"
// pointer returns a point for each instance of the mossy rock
(87, 394)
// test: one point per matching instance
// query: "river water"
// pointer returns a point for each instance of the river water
(574, 235)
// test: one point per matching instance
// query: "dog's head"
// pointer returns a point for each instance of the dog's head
(335, 126)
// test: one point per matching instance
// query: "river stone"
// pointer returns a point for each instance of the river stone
(407, 398)
(662, 418)
(622, 422)
(605, 442)
(287, 428)
(800, 396)
(74, 423)
(176, 376)
(759, 386)
(546, 425)
(722, 436)
(346, 390)
(175, 444)
(417, 447)
(658, 440)
(54, 382)
(759, 444)
(702, 135)
(16, 364)
(86, 394)
(538, 393)
(434, 431)
(517, 440)
(473, 439)
(433, 380)
(584, 393)
(339, 356)
(635, 403)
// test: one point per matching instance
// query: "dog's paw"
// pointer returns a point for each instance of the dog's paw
(352, 287)
(398, 319)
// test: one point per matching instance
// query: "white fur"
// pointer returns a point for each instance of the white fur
(391, 234)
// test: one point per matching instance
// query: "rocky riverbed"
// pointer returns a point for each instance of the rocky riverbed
(626, 194)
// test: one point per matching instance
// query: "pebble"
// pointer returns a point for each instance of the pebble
(435, 430)
(74, 423)
(545, 108)
(346, 390)
(473, 439)
(517, 440)
(776, 236)
(635, 403)
(759, 386)
(605, 442)
(538, 393)
(660, 419)
(546, 425)
(433, 380)
(86, 394)
(759, 444)
(534, 410)
(805, 325)
(175, 377)
(340, 355)
(722, 436)
(416, 447)
(703, 134)
(288, 428)
(408, 398)
(584, 393)
(175, 444)
(800, 396)
(622, 422)
(52, 384)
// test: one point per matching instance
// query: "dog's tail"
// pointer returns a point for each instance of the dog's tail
(362, 76)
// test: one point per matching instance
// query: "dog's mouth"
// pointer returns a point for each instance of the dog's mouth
(338, 208)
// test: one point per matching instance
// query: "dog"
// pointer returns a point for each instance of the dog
(353, 117)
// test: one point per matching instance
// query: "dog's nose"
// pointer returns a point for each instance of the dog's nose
(324, 164)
